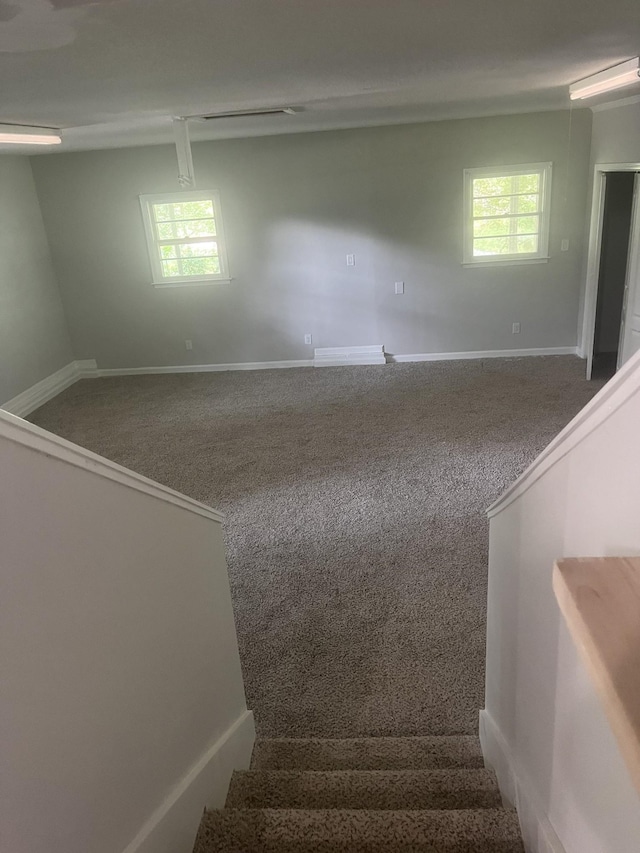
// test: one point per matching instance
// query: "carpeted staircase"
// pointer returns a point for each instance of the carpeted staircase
(363, 796)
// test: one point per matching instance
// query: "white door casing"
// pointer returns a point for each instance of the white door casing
(588, 321)
(630, 327)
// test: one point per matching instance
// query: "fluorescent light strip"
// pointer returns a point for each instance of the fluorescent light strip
(18, 134)
(605, 81)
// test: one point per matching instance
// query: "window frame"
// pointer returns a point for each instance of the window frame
(153, 242)
(542, 255)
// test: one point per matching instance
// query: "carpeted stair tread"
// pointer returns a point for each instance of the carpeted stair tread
(363, 789)
(359, 831)
(383, 753)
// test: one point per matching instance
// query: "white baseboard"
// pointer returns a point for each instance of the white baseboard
(40, 393)
(489, 353)
(173, 825)
(538, 834)
(26, 402)
(346, 356)
(331, 357)
(201, 368)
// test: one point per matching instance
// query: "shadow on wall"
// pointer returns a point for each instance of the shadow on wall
(295, 245)
(310, 287)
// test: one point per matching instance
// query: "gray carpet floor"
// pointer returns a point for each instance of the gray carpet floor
(356, 533)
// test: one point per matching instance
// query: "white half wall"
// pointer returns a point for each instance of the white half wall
(545, 730)
(122, 707)
(517, 790)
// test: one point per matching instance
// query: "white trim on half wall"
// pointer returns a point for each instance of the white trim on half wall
(171, 825)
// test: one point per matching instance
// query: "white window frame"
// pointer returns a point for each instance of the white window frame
(153, 242)
(539, 257)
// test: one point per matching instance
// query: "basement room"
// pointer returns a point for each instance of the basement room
(291, 296)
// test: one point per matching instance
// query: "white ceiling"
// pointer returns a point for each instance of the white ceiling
(114, 72)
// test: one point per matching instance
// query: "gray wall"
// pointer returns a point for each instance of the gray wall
(34, 341)
(294, 206)
(616, 135)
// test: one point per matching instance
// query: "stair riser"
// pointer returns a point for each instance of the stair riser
(437, 800)
(368, 754)
(377, 795)
(273, 831)
(364, 790)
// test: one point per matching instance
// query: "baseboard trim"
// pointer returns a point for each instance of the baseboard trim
(40, 393)
(489, 353)
(173, 825)
(333, 357)
(517, 790)
(49, 387)
(346, 356)
(202, 368)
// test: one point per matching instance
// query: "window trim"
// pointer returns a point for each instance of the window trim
(542, 255)
(157, 278)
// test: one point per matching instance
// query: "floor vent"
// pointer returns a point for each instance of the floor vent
(335, 356)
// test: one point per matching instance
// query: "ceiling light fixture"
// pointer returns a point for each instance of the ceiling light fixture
(620, 75)
(22, 134)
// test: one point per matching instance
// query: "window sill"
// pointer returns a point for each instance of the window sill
(195, 283)
(511, 262)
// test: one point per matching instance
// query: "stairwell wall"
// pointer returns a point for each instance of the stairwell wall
(544, 728)
(122, 708)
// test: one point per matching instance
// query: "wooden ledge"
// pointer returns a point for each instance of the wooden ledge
(600, 600)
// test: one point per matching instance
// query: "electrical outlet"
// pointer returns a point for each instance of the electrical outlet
(564, 246)
(188, 344)
(399, 287)
(308, 339)
(351, 260)
(515, 329)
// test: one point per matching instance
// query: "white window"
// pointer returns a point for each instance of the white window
(507, 214)
(185, 238)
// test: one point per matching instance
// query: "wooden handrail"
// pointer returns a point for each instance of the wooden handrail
(600, 600)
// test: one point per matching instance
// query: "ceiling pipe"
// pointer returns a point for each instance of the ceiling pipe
(186, 175)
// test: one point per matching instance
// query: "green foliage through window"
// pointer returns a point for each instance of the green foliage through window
(186, 238)
(506, 214)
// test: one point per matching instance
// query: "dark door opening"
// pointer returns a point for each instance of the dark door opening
(616, 230)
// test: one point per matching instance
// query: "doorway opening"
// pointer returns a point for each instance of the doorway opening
(611, 320)
(612, 273)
